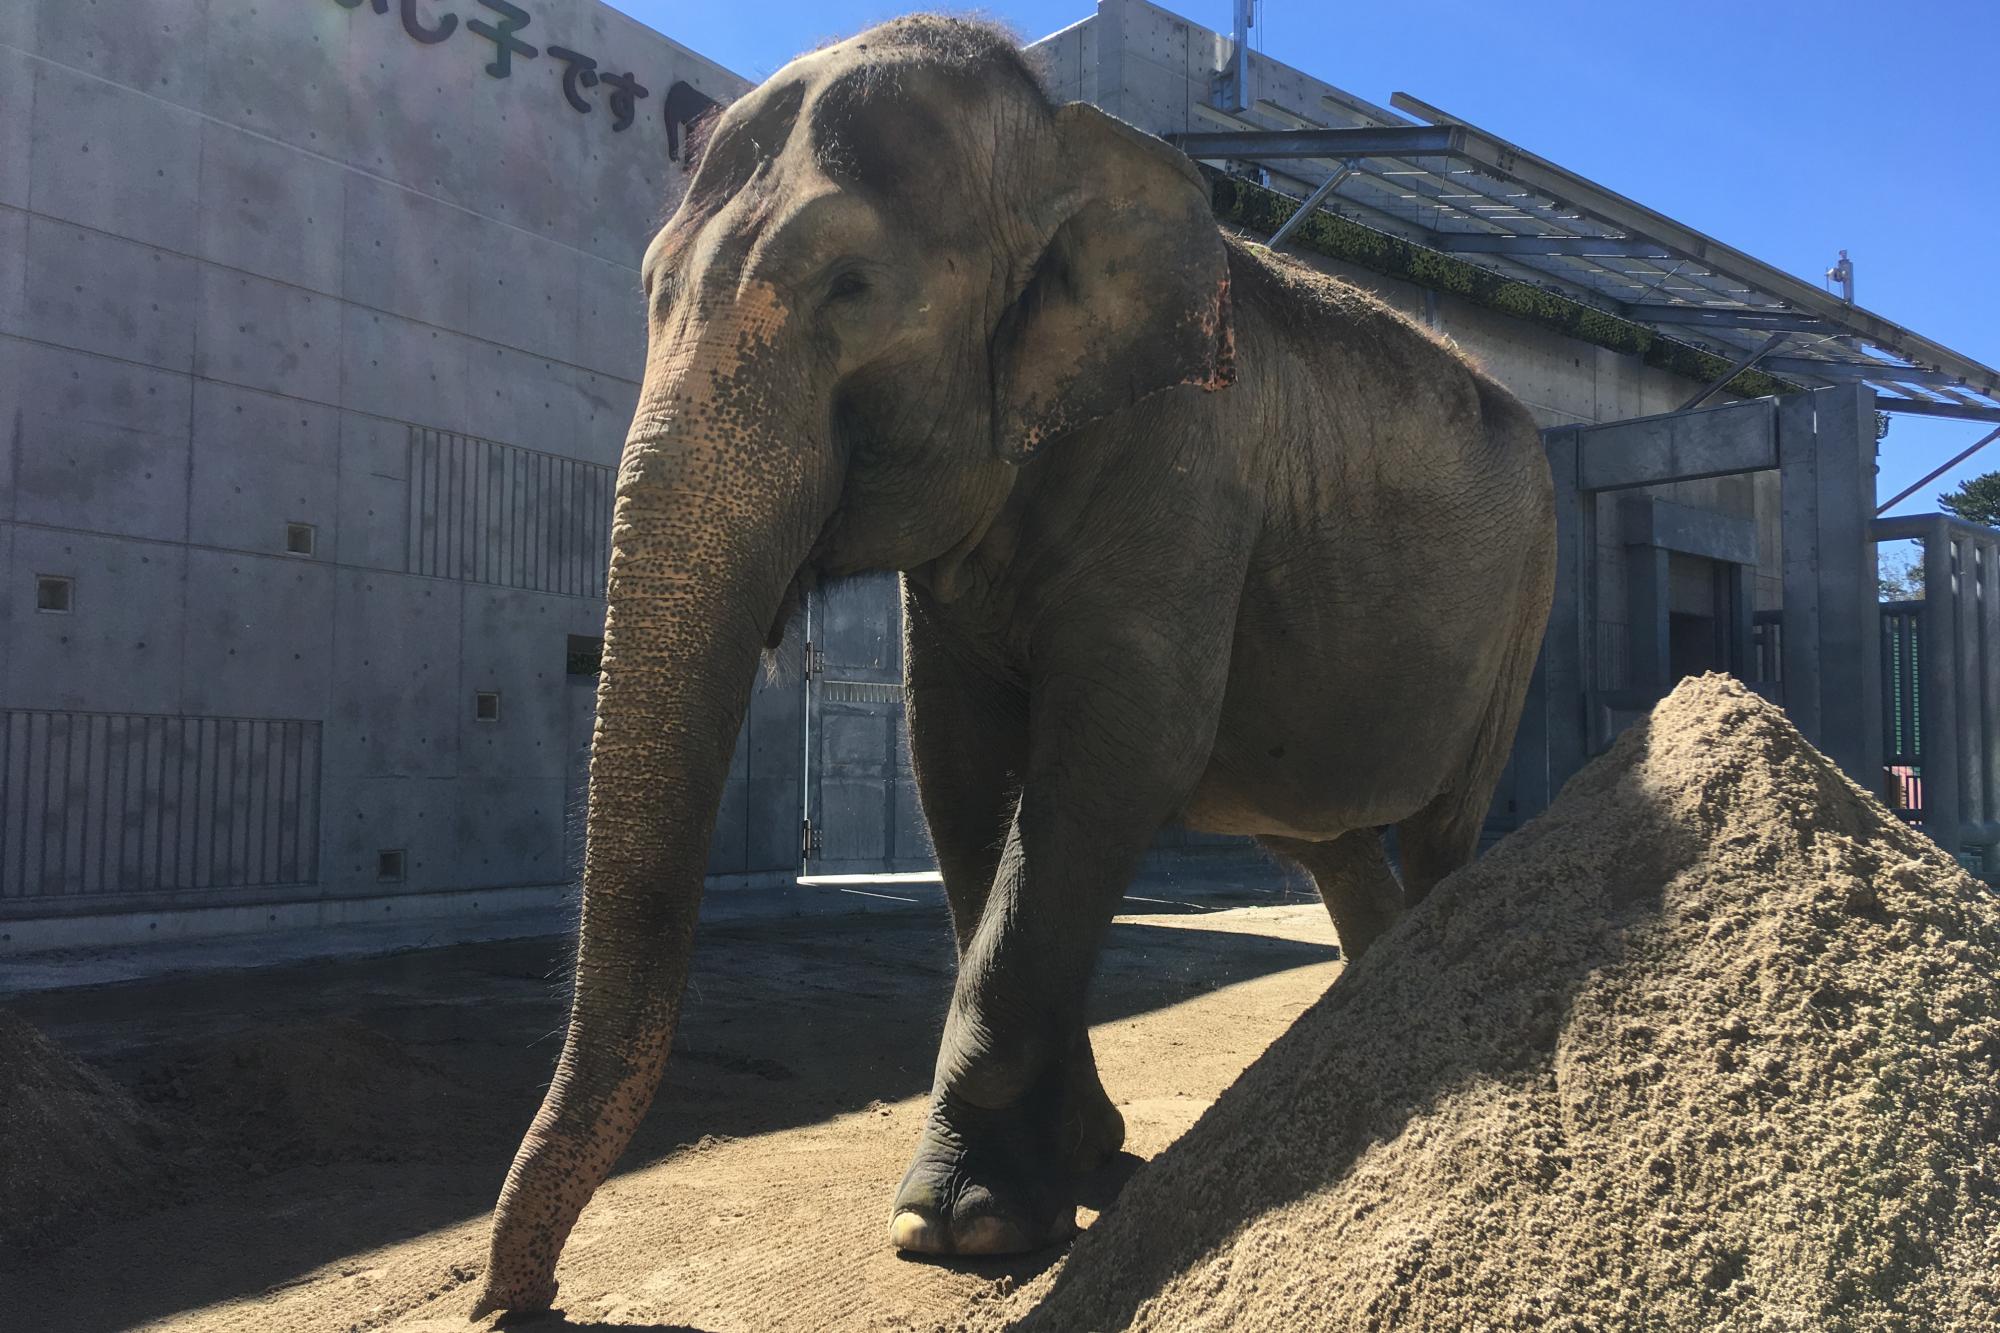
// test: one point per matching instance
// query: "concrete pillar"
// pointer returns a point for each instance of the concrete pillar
(1971, 695)
(1987, 686)
(1741, 580)
(1849, 616)
(1646, 575)
(1567, 648)
(1798, 480)
(1940, 727)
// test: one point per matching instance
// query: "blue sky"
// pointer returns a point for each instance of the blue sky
(1789, 129)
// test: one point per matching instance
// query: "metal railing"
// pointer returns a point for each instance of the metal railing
(1902, 708)
(108, 804)
(493, 513)
(1767, 651)
(1954, 670)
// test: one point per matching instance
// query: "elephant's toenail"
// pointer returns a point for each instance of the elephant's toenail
(916, 1235)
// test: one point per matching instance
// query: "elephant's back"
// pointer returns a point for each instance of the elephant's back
(1357, 394)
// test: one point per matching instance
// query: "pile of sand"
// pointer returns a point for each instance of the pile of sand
(76, 1148)
(72, 1143)
(319, 1092)
(1711, 1045)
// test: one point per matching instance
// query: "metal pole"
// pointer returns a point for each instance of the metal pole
(1313, 200)
(1769, 346)
(1938, 471)
(1246, 15)
(1229, 88)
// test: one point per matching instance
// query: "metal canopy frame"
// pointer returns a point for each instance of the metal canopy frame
(1455, 188)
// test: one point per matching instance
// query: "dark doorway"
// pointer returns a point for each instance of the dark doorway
(1694, 644)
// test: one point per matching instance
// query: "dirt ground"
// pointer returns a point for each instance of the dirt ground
(340, 1129)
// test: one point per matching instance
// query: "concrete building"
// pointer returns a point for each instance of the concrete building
(319, 334)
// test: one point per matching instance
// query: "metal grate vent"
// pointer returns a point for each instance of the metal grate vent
(862, 692)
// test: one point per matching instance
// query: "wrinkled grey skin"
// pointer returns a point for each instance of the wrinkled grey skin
(1186, 530)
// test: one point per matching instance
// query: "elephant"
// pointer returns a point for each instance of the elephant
(1185, 529)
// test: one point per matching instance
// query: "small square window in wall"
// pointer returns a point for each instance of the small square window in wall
(486, 705)
(389, 865)
(54, 593)
(300, 538)
(586, 654)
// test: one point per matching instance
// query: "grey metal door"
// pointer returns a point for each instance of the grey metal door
(861, 815)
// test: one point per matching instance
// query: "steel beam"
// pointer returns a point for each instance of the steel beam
(1678, 446)
(1495, 243)
(1371, 141)
(1231, 86)
(1313, 200)
(1726, 317)
(1918, 408)
(1497, 158)
(1923, 527)
(1855, 371)
(1763, 350)
(1508, 161)
(1938, 471)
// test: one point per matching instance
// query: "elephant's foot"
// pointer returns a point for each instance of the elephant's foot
(982, 1183)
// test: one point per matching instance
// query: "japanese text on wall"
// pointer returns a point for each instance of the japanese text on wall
(583, 76)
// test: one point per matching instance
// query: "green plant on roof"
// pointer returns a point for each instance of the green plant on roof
(1257, 209)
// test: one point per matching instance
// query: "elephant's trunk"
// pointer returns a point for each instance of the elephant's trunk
(707, 535)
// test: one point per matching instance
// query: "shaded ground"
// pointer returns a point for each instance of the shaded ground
(336, 1131)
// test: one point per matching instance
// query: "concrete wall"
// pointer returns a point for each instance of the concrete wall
(277, 264)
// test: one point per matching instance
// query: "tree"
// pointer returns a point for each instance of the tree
(1977, 500)
(1899, 577)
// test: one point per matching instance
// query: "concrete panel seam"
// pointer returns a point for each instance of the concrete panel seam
(194, 378)
(313, 291)
(279, 556)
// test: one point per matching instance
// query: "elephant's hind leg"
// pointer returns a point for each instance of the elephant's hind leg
(1360, 891)
(1439, 839)
(1444, 835)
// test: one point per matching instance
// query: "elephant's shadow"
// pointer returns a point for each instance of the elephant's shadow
(555, 1321)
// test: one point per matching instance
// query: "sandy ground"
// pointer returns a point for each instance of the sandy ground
(754, 1198)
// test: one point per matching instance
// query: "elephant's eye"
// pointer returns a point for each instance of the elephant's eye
(846, 286)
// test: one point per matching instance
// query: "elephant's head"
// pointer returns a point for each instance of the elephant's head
(897, 272)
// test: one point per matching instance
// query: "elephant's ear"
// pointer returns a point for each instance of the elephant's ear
(1131, 294)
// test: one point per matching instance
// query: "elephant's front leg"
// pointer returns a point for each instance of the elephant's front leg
(1116, 745)
(969, 742)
